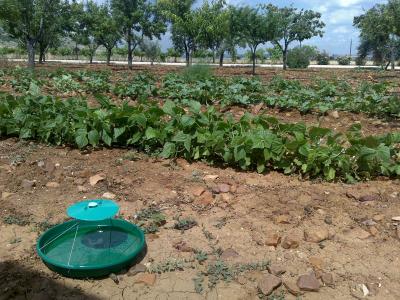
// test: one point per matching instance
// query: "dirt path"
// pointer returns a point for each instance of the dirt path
(299, 227)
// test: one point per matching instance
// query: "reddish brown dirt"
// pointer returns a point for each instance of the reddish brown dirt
(355, 252)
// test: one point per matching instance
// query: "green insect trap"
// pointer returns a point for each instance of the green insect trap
(93, 244)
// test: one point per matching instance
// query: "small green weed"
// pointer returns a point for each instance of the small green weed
(185, 224)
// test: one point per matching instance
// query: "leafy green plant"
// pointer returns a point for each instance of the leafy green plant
(344, 60)
(197, 73)
(298, 58)
(150, 219)
(185, 224)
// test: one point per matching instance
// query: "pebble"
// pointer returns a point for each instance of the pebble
(82, 189)
(28, 184)
(292, 288)
(396, 219)
(359, 233)
(223, 188)
(367, 198)
(334, 114)
(205, 199)
(290, 242)
(93, 180)
(114, 278)
(109, 195)
(5, 195)
(197, 191)
(272, 239)
(210, 177)
(282, 219)
(327, 279)
(316, 234)
(316, 262)
(52, 184)
(182, 246)
(136, 269)
(369, 222)
(229, 254)
(373, 230)
(276, 269)
(268, 284)
(308, 282)
(148, 279)
(328, 220)
(40, 164)
(378, 218)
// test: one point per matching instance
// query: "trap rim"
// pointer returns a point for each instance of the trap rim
(99, 270)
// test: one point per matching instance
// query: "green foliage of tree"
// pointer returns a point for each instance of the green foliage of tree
(274, 54)
(173, 52)
(322, 58)
(138, 19)
(254, 26)
(380, 33)
(151, 49)
(28, 21)
(295, 25)
(344, 60)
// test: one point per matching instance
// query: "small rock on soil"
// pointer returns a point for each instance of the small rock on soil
(93, 180)
(292, 288)
(136, 269)
(268, 284)
(272, 239)
(308, 282)
(148, 279)
(316, 234)
(290, 242)
(276, 269)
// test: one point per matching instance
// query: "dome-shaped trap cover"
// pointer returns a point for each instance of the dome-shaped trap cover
(93, 210)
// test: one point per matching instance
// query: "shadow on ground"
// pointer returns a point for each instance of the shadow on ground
(21, 282)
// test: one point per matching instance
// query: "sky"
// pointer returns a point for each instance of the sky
(337, 15)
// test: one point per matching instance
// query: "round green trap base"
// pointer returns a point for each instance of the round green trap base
(98, 248)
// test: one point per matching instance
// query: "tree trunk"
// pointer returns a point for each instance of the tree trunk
(285, 56)
(213, 57)
(393, 58)
(76, 51)
(221, 58)
(130, 51)
(91, 59)
(175, 59)
(187, 55)
(152, 62)
(108, 56)
(30, 44)
(254, 61)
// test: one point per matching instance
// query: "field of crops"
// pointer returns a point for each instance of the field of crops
(285, 151)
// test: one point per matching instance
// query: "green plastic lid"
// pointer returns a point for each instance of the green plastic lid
(93, 210)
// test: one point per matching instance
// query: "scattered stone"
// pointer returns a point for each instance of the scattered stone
(276, 269)
(52, 184)
(227, 197)
(373, 230)
(229, 254)
(328, 220)
(223, 187)
(282, 219)
(327, 279)
(109, 195)
(373, 288)
(93, 180)
(28, 184)
(268, 284)
(292, 288)
(148, 279)
(316, 262)
(205, 199)
(369, 222)
(210, 177)
(49, 167)
(378, 218)
(364, 290)
(359, 233)
(334, 114)
(114, 278)
(367, 198)
(256, 109)
(182, 246)
(5, 195)
(396, 219)
(308, 282)
(197, 191)
(316, 234)
(398, 232)
(136, 269)
(290, 242)
(272, 239)
(40, 164)
(82, 189)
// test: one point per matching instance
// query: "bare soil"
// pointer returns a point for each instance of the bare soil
(360, 250)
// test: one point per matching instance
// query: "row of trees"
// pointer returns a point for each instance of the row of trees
(214, 26)
(380, 33)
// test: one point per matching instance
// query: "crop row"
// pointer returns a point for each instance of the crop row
(374, 99)
(259, 143)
